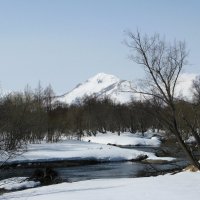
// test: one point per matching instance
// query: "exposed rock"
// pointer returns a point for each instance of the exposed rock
(46, 177)
(191, 168)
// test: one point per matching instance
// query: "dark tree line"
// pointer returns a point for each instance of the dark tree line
(32, 116)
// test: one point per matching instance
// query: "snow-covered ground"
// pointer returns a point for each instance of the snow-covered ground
(182, 186)
(191, 140)
(17, 183)
(80, 150)
(124, 139)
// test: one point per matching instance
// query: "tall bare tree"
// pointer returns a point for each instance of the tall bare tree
(163, 63)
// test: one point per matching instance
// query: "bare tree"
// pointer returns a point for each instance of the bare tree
(49, 97)
(162, 63)
(12, 124)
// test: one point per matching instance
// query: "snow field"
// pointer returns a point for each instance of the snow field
(80, 150)
(182, 186)
(17, 183)
(124, 139)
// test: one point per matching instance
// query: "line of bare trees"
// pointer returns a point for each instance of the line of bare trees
(32, 116)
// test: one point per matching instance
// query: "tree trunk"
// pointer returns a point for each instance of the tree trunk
(188, 153)
(182, 144)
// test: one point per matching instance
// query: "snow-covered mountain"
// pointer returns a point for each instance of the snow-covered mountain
(184, 85)
(102, 85)
(4, 92)
(120, 91)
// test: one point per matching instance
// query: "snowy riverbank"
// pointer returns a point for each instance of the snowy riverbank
(182, 186)
(125, 139)
(79, 150)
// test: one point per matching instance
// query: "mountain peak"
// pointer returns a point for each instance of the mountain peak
(100, 85)
(103, 77)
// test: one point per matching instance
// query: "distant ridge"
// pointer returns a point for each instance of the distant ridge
(120, 91)
(102, 85)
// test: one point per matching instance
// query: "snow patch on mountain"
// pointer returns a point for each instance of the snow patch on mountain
(184, 85)
(120, 91)
(100, 86)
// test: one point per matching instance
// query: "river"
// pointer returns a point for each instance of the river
(106, 170)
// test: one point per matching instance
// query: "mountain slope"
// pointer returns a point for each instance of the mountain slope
(101, 85)
(120, 91)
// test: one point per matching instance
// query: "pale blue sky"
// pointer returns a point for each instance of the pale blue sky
(64, 42)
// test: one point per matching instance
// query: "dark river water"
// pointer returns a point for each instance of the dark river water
(115, 170)
(104, 170)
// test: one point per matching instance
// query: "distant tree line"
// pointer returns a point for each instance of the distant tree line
(32, 116)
